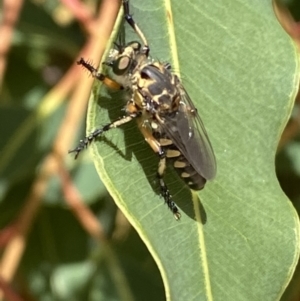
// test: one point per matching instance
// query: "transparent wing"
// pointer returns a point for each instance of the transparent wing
(186, 130)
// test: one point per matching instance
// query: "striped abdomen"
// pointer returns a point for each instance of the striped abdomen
(185, 170)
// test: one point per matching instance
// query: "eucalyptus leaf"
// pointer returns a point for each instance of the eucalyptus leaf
(241, 70)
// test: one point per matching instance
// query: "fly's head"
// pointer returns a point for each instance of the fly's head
(124, 59)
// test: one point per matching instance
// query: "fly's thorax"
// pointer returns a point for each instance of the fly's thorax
(158, 87)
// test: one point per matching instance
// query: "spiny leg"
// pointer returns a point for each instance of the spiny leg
(153, 139)
(131, 22)
(98, 75)
(90, 138)
(163, 187)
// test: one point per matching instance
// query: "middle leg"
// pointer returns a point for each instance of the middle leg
(88, 139)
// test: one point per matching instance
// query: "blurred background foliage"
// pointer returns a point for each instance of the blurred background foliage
(65, 256)
(52, 247)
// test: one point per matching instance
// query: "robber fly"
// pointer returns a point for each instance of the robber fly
(164, 112)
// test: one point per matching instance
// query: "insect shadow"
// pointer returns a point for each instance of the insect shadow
(135, 145)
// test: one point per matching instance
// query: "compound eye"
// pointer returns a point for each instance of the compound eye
(121, 65)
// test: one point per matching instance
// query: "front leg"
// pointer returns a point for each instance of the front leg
(90, 138)
(100, 76)
(131, 22)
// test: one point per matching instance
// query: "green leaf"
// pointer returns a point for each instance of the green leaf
(241, 70)
(69, 280)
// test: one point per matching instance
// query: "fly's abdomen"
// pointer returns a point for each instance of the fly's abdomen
(185, 170)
